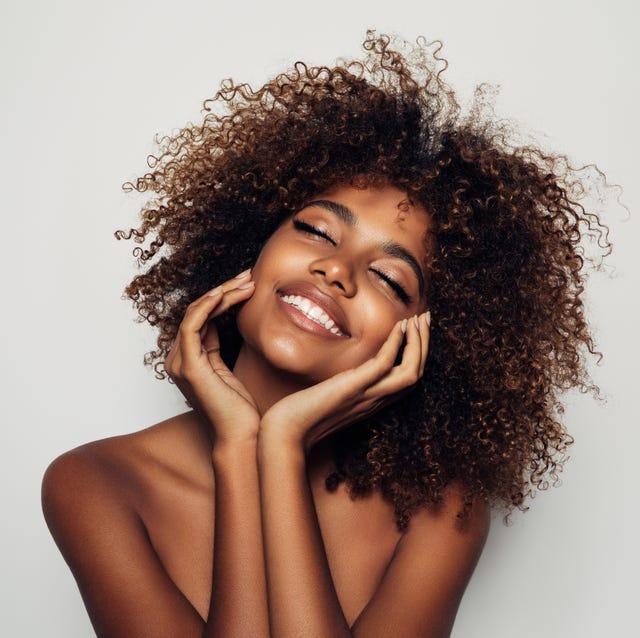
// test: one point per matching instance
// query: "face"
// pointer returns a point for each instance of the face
(333, 280)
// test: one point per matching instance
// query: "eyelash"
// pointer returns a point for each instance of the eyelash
(308, 228)
(395, 286)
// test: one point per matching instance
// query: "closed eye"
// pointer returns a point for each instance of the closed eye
(298, 224)
(402, 294)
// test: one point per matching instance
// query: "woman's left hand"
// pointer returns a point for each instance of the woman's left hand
(305, 417)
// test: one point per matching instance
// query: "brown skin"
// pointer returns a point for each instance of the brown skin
(240, 482)
(501, 255)
(152, 490)
(506, 261)
(369, 304)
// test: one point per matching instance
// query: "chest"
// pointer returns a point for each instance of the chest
(359, 538)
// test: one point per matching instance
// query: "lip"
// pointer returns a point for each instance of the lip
(321, 299)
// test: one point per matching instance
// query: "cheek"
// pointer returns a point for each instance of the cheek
(255, 317)
(377, 317)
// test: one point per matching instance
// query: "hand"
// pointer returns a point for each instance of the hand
(303, 418)
(194, 363)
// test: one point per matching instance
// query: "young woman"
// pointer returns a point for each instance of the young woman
(384, 369)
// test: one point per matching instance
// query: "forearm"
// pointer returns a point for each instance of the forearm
(238, 606)
(302, 598)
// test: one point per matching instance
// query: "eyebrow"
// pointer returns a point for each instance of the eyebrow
(339, 210)
(391, 248)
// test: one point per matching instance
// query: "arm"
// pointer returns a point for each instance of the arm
(424, 583)
(419, 594)
(238, 596)
(93, 518)
(422, 587)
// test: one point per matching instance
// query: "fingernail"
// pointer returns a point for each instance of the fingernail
(427, 317)
(415, 321)
(403, 326)
(249, 284)
(215, 291)
(243, 274)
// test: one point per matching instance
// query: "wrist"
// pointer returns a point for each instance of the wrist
(234, 449)
(276, 441)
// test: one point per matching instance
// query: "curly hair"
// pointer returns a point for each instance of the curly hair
(506, 268)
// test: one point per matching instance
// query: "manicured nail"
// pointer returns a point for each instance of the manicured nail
(249, 284)
(427, 317)
(403, 326)
(216, 291)
(415, 321)
(243, 274)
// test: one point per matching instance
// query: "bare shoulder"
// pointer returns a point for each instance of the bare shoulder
(431, 567)
(94, 499)
(121, 471)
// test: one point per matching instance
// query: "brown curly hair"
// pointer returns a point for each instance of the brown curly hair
(506, 272)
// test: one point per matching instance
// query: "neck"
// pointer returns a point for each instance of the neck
(266, 384)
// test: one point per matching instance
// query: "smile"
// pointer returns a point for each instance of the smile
(313, 312)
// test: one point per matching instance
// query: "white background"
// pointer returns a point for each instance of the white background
(84, 88)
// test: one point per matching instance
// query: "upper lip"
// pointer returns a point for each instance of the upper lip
(321, 299)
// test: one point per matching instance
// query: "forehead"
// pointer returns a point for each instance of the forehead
(384, 211)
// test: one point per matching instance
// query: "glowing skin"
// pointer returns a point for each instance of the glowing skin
(331, 283)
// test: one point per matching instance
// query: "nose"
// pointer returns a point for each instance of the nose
(336, 272)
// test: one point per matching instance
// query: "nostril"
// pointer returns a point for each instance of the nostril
(335, 273)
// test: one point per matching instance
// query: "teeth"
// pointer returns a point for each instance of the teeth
(315, 313)
(305, 305)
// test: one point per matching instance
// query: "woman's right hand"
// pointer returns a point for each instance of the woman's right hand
(195, 365)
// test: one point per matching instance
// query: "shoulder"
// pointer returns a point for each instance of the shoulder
(445, 540)
(94, 500)
(430, 569)
(118, 473)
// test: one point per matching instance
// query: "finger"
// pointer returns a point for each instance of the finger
(407, 372)
(237, 282)
(199, 313)
(350, 385)
(232, 297)
(410, 363)
(173, 363)
(425, 333)
(379, 365)
(226, 299)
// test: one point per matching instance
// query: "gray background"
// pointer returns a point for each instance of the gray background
(86, 85)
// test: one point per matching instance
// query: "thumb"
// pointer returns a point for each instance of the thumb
(211, 346)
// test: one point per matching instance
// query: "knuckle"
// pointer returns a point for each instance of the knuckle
(187, 370)
(410, 377)
(383, 357)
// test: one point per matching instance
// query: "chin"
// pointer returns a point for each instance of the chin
(288, 356)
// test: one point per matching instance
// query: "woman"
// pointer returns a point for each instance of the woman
(332, 479)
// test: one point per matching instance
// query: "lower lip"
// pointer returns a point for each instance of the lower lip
(302, 321)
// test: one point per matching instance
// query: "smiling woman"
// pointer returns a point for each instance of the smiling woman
(347, 258)
(386, 367)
